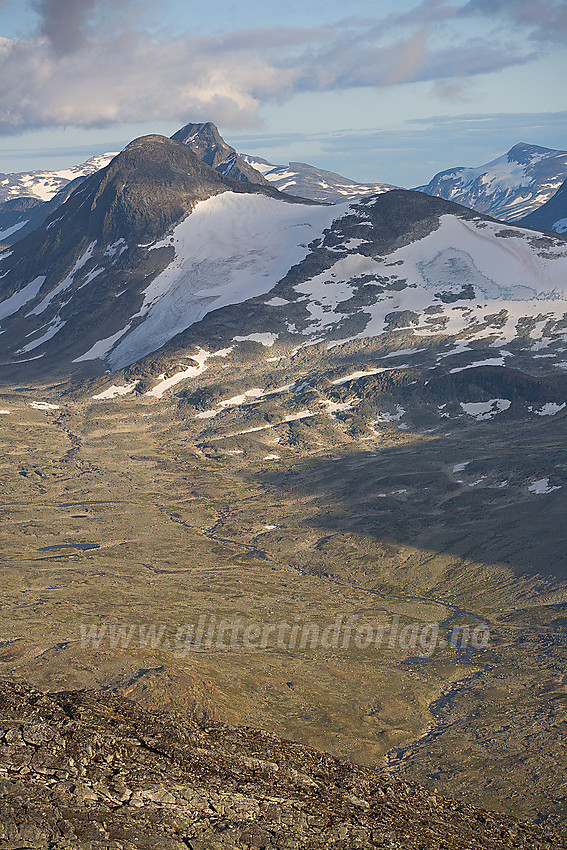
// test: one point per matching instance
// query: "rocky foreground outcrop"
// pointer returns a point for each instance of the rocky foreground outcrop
(89, 770)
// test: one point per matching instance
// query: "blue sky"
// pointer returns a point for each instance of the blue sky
(390, 91)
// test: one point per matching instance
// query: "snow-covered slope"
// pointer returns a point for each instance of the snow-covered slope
(230, 249)
(306, 181)
(507, 188)
(466, 275)
(45, 184)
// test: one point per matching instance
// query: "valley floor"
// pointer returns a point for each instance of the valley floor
(135, 513)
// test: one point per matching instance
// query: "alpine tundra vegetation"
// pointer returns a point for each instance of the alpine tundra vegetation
(284, 452)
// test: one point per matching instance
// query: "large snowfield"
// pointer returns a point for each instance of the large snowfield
(507, 273)
(235, 247)
(232, 247)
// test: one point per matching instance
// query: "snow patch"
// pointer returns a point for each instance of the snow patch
(43, 405)
(207, 414)
(115, 390)
(66, 282)
(391, 417)
(255, 392)
(13, 229)
(16, 301)
(189, 372)
(460, 467)
(499, 361)
(486, 409)
(402, 352)
(354, 376)
(266, 339)
(549, 409)
(117, 247)
(53, 328)
(542, 486)
(336, 406)
(102, 347)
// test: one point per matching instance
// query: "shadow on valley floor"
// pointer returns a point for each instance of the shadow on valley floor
(486, 495)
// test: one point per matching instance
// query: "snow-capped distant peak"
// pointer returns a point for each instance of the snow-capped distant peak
(509, 187)
(45, 184)
(316, 184)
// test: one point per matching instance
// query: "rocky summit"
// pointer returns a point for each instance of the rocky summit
(207, 143)
(88, 770)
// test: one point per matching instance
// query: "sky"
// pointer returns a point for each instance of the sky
(390, 91)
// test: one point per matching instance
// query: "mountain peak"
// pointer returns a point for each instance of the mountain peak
(509, 187)
(206, 139)
(153, 182)
(523, 153)
(207, 143)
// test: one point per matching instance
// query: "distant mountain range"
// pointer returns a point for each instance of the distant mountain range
(315, 183)
(507, 188)
(43, 185)
(158, 239)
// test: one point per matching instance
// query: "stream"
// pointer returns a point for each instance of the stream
(457, 614)
(464, 657)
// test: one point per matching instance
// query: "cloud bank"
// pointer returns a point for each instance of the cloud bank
(88, 65)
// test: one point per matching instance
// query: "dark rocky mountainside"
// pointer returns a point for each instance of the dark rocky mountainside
(103, 231)
(88, 770)
(552, 215)
(207, 143)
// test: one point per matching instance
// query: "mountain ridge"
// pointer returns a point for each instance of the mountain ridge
(105, 227)
(315, 183)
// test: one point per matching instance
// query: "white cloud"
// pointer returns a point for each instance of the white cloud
(77, 72)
